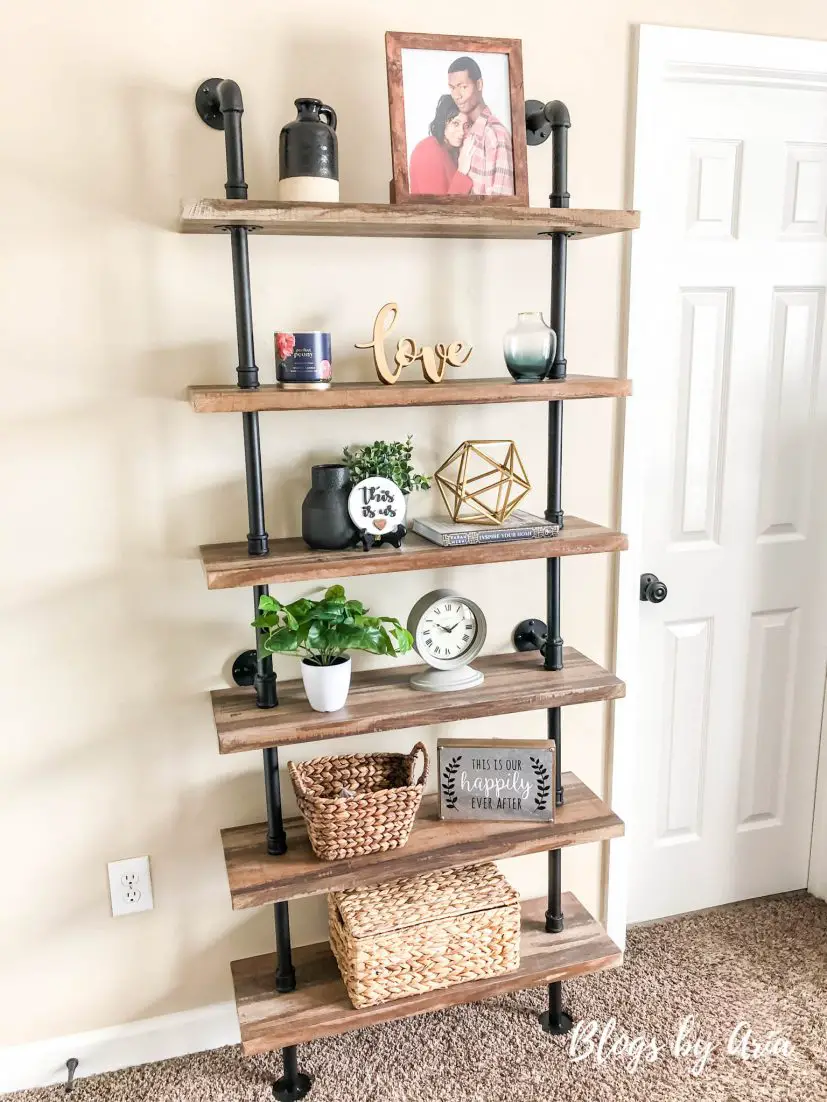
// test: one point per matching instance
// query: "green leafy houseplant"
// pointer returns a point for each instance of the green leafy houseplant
(322, 632)
(386, 459)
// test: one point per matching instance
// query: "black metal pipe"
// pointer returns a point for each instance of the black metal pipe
(554, 501)
(231, 107)
(291, 1062)
(265, 678)
(555, 1020)
(294, 1084)
(554, 912)
(557, 313)
(558, 116)
(258, 541)
(554, 732)
(247, 369)
(285, 972)
(554, 644)
(276, 837)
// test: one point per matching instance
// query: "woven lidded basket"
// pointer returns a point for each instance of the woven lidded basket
(406, 937)
(359, 803)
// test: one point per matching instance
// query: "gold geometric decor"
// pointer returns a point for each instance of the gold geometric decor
(483, 488)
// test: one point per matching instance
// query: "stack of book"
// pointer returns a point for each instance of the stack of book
(519, 526)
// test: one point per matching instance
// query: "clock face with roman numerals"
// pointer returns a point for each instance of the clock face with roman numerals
(448, 629)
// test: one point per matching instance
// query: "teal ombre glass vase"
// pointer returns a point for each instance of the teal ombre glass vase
(529, 348)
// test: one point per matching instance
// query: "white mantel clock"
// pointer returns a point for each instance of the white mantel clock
(449, 632)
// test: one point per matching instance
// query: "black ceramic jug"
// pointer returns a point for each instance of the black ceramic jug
(309, 155)
(326, 523)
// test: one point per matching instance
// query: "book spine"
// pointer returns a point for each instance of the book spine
(463, 539)
(499, 535)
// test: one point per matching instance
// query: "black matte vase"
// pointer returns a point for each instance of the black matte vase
(309, 155)
(326, 523)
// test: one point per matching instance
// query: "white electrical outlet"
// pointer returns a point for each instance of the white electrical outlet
(130, 886)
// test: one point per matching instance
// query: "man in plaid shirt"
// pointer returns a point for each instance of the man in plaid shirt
(486, 155)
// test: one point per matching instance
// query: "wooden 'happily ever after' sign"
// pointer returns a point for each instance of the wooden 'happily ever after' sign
(496, 779)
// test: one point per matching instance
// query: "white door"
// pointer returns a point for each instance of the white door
(727, 356)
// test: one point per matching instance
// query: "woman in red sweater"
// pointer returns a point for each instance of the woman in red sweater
(434, 160)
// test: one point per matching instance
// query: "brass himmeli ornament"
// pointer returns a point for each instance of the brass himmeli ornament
(432, 360)
(482, 496)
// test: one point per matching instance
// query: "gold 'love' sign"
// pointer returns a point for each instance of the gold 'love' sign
(434, 360)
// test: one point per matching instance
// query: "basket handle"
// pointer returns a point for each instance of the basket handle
(419, 748)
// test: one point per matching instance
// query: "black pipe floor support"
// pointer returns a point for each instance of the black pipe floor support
(555, 1020)
(293, 1084)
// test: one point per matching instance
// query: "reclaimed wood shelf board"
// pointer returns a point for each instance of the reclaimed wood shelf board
(407, 220)
(320, 1007)
(383, 700)
(255, 878)
(228, 565)
(451, 392)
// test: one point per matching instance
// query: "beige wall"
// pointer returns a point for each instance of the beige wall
(110, 639)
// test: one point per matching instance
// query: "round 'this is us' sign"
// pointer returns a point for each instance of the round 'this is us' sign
(376, 505)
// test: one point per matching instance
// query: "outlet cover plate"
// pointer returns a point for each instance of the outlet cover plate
(130, 886)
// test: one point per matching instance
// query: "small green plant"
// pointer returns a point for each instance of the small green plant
(386, 459)
(323, 631)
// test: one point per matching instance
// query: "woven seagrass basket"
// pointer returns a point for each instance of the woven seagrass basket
(359, 803)
(406, 937)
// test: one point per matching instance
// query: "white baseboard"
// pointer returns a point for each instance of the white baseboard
(44, 1062)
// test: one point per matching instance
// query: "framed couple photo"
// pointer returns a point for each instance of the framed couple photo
(457, 114)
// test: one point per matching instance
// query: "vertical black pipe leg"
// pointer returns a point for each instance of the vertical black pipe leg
(555, 1020)
(285, 972)
(554, 912)
(294, 1083)
(555, 736)
(554, 643)
(276, 837)
(265, 679)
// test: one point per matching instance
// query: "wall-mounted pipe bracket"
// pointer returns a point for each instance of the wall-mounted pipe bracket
(530, 635)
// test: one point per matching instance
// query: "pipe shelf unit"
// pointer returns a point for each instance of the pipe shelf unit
(293, 996)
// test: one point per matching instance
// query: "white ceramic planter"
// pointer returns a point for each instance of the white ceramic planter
(326, 686)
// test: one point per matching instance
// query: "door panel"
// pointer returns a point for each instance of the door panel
(731, 263)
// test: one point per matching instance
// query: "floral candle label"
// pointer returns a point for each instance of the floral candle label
(496, 779)
(303, 359)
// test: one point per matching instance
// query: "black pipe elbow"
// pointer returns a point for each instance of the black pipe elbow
(229, 97)
(557, 113)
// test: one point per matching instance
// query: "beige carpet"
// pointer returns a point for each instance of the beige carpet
(763, 962)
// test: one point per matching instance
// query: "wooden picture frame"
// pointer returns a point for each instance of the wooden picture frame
(435, 153)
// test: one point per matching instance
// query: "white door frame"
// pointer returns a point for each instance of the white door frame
(709, 57)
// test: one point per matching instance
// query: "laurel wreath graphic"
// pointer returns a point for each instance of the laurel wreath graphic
(449, 782)
(543, 785)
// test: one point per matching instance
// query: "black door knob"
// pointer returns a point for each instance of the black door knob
(652, 589)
